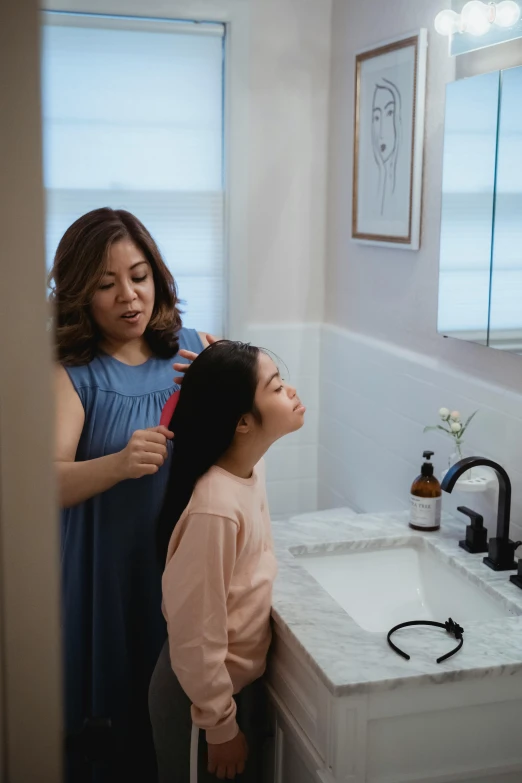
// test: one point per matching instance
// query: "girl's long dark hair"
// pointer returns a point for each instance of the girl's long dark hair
(218, 389)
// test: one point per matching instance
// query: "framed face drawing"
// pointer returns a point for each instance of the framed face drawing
(390, 83)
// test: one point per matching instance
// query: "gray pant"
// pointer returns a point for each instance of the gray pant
(171, 720)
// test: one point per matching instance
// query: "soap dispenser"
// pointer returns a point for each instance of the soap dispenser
(426, 498)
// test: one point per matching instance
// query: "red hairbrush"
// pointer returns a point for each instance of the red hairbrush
(169, 408)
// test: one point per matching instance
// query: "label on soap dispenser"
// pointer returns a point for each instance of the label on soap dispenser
(425, 512)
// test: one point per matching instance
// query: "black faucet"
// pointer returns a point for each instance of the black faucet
(501, 550)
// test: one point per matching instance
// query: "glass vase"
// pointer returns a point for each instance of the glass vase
(458, 453)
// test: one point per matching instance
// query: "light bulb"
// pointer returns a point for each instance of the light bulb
(446, 22)
(507, 13)
(476, 18)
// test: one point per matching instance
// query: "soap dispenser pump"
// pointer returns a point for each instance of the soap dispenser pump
(426, 498)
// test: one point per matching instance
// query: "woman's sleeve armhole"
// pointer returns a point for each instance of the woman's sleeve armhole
(78, 387)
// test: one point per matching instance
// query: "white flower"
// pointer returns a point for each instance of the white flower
(456, 426)
(455, 416)
(444, 414)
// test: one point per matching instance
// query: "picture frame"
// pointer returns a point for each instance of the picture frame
(390, 93)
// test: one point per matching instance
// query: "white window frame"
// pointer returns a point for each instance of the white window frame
(234, 14)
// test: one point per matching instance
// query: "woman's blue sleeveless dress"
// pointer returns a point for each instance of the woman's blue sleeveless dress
(111, 579)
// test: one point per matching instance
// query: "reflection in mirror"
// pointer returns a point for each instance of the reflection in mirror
(505, 329)
(468, 191)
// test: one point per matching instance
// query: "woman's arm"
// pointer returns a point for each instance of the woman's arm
(77, 481)
(144, 454)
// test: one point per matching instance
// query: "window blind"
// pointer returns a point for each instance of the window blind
(133, 119)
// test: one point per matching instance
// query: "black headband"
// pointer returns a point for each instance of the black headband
(450, 626)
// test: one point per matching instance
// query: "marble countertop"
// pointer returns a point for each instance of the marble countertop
(351, 660)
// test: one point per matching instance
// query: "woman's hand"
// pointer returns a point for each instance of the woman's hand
(228, 760)
(145, 452)
(190, 356)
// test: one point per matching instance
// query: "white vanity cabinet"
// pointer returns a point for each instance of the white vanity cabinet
(293, 756)
(452, 732)
(347, 709)
(298, 705)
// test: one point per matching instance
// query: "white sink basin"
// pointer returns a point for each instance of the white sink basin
(380, 587)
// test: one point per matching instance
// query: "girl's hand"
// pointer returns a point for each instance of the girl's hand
(190, 356)
(145, 452)
(228, 760)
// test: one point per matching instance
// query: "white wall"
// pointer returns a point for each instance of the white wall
(385, 372)
(288, 123)
(289, 84)
(292, 463)
(29, 563)
(391, 294)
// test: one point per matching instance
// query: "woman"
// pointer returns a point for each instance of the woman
(118, 331)
(214, 535)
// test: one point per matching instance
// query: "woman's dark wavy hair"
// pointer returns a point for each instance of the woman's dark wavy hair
(218, 389)
(79, 265)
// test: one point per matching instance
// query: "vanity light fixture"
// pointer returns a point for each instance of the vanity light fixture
(477, 18)
(507, 13)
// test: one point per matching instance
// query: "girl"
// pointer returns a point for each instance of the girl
(214, 535)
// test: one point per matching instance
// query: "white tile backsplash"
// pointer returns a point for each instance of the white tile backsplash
(367, 405)
(375, 400)
(328, 498)
(292, 468)
(292, 497)
(287, 463)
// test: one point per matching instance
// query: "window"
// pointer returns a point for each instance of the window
(133, 119)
